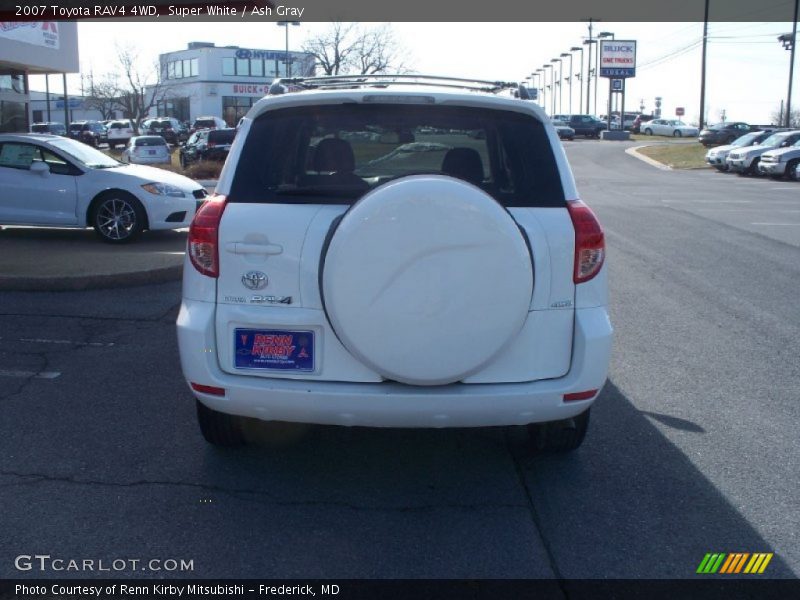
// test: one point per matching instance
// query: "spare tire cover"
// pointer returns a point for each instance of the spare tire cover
(426, 279)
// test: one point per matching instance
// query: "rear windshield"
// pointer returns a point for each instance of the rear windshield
(150, 141)
(222, 136)
(336, 154)
(204, 123)
(119, 125)
(40, 128)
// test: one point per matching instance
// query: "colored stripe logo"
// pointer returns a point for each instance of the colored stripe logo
(734, 562)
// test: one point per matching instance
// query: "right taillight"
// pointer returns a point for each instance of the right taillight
(590, 246)
(204, 236)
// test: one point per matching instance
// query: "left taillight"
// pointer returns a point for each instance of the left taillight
(590, 244)
(204, 236)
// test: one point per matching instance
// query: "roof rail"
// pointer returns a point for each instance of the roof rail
(296, 84)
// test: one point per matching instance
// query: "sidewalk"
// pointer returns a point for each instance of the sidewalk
(76, 259)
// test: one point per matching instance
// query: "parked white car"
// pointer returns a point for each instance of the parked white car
(51, 181)
(147, 150)
(781, 162)
(745, 160)
(378, 281)
(670, 127)
(718, 155)
(119, 132)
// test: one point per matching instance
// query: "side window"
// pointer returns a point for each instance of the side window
(18, 156)
(58, 165)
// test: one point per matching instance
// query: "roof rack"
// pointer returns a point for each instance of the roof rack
(296, 84)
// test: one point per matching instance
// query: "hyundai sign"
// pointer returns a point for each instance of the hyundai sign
(617, 58)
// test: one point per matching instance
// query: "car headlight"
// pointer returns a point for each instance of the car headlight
(163, 189)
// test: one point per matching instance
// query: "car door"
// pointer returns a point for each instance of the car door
(36, 198)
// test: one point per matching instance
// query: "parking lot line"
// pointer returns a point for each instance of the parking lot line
(27, 374)
(46, 341)
(789, 224)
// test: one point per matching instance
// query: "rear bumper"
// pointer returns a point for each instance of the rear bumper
(393, 404)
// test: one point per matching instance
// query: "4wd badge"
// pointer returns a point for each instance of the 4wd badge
(254, 280)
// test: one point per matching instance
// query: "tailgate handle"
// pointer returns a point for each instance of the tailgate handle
(246, 248)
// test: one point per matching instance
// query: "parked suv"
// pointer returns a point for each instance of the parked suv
(207, 123)
(343, 275)
(781, 162)
(207, 144)
(88, 132)
(119, 132)
(52, 127)
(717, 157)
(586, 125)
(745, 160)
(170, 129)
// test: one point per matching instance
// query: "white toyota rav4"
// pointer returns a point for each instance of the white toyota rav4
(395, 252)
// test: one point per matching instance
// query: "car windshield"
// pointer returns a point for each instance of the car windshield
(748, 139)
(84, 154)
(774, 139)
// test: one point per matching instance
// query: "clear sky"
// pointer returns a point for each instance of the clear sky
(747, 72)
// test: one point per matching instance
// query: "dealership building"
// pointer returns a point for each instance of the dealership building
(221, 81)
(32, 48)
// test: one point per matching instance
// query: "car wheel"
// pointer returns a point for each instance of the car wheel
(648, 131)
(220, 429)
(182, 160)
(753, 169)
(111, 145)
(118, 218)
(791, 169)
(560, 436)
(677, 133)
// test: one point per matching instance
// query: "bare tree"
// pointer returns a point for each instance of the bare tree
(778, 117)
(140, 89)
(103, 96)
(347, 48)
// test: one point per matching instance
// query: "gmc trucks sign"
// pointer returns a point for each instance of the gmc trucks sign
(617, 58)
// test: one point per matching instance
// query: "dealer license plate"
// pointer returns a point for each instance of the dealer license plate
(277, 349)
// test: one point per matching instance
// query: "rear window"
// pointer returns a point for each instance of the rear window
(150, 141)
(204, 123)
(222, 136)
(336, 154)
(40, 128)
(119, 125)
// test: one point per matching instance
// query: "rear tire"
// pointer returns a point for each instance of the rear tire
(753, 169)
(648, 131)
(677, 133)
(220, 429)
(560, 436)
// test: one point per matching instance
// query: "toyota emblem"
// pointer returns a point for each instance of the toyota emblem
(254, 280)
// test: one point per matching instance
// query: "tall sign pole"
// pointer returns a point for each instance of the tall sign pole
(791, 67)
(589, 70)
(617, 61)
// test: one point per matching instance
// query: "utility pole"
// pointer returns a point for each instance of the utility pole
(791, 67)
(703, 70)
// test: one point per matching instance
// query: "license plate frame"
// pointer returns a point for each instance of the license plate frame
(285, 350)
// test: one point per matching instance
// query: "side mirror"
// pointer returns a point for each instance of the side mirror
(40, 168)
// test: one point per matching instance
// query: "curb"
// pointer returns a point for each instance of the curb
(653, 163)
(90, 282)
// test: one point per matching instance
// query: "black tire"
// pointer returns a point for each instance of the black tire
(677, 133)
(648, 131)
(118, 218)
(753, 169)
(220, 429)
(560, 436)
(791, 169)
(183, 162)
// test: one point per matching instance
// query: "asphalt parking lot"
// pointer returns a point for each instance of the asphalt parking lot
(693, 446)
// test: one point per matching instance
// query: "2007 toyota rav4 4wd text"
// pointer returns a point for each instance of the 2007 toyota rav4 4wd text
(395, 252)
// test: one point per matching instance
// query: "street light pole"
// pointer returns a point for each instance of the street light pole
(569, 78)
(286, 56)
(580, 96)
(550, 66)
(560, 73)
